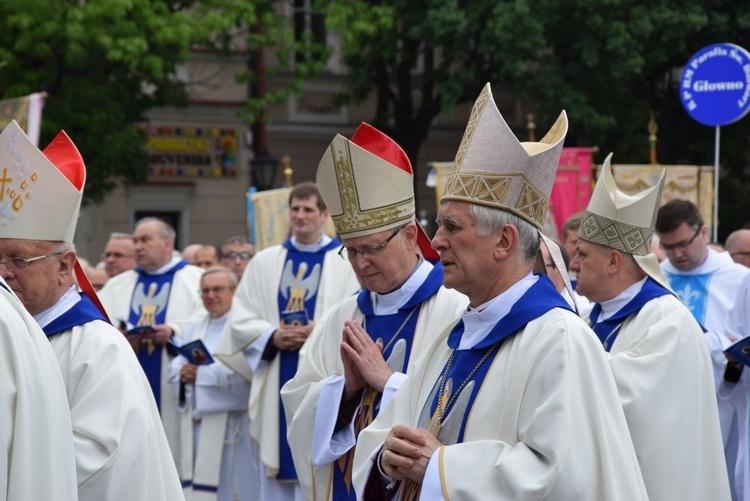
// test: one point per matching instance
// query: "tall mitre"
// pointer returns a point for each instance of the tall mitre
(367, 184)
(493, 168)
(624, 222)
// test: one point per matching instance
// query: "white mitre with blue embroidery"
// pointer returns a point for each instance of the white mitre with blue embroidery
(41, 192)
(624, 222)
(493, 168)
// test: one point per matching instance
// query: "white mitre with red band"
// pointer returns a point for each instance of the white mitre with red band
(367, 184)
(494, 169)
(41, 191)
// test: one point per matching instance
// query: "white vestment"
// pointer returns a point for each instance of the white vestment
(184, 307)
(546, 422)
(722, 278)
(662, 368)
(255, 314)
(735, 396)
(37, 458)
(216, 442)
(120, 447)
(312, 398)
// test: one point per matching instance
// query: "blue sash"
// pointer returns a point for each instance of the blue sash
(538, 300)
(148, 306)
(298, 290)
(693, 291)
(608, 330)
(382, 327)
(83, 312)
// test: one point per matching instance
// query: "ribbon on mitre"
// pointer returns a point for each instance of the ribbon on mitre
(372, 140)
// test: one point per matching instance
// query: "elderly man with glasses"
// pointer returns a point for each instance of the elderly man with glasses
(119, 254)
(236, 253)
(361, 352)
(710, 283)
(284, 290)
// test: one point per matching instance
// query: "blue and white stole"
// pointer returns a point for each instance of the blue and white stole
(385, 328)
(298, 290)
(608, 330)
(540, 298)
(693, 291)
(83, 312)
(148, 306)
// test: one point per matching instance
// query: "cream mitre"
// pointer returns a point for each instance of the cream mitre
(367, 184)
(41, 191)
(624, 222)
(493, 168)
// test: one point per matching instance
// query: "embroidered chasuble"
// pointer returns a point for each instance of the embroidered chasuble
(148, 307)
(396, 332)
(607, 330)
(298, 291)
(83, 312)
(448, 407)
(694, 292)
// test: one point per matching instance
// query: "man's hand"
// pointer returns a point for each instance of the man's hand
(292, 337)
(188, 373)
(367, 355)
(406, 453)
(353, 380)
(161, 335)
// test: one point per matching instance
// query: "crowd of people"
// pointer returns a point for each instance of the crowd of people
(488, 362)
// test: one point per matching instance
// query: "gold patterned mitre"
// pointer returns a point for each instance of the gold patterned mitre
(367, 183)
(493, 168)
(618, 220)
(40, 192)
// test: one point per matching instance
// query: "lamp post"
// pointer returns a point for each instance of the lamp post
(263, 169)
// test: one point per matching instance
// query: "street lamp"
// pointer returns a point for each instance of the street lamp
(263, 169)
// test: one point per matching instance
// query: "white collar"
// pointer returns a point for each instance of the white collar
(390, 303)
(164, 268)
(479, 321)
(612, 306)
(324, 240)
(63, 304)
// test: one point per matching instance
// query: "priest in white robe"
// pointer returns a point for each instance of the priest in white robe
(516, 401)
(656, 348)
(121, 452)
(35, 429)
(343, 378)
(161, 293)
(283, 291)
(219, 461)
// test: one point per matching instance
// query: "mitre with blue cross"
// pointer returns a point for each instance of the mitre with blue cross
(624, 222)
(41, 191)
(494, 169)
(367, 184)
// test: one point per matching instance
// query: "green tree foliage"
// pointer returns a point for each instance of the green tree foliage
(103, 64)
(609, 63)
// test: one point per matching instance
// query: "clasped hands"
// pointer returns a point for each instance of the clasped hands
(363, 361)
(406, 452)
(292, 337)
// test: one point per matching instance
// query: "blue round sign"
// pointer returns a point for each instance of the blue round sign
(715, 84)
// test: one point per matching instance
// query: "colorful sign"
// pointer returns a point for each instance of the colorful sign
(715, 84)
(192, 151)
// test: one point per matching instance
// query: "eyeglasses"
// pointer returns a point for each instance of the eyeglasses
(242, 255)
(216, 290)
(19, 264)
(366, 252)
(680, 245)
(116, 255)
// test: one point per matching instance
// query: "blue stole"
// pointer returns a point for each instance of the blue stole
(148, 306)
(382, 327)
(538, 300)
(608, 330)
(298, 290)
(693, 291)
(83, 312)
